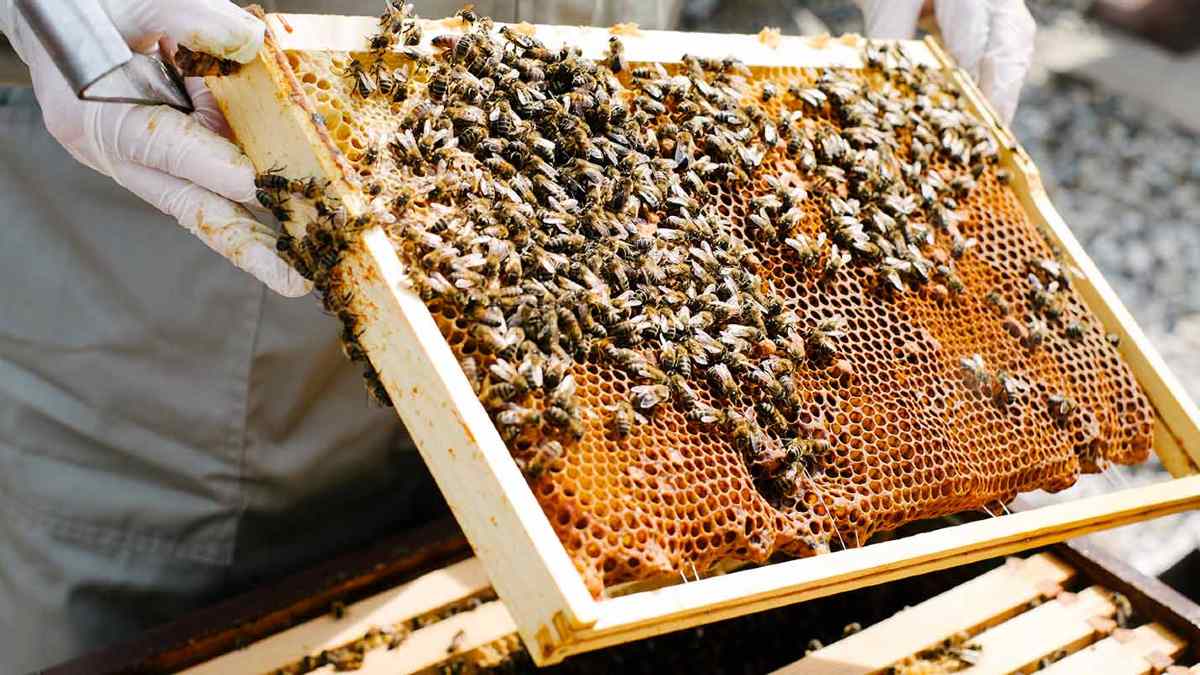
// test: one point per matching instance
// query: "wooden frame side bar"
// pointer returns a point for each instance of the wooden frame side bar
(527, 563)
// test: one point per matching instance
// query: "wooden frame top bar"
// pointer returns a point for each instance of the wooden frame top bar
(348, 34)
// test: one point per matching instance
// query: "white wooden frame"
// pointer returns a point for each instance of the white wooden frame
(528, 566)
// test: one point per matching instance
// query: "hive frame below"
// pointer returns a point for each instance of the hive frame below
(528, 566)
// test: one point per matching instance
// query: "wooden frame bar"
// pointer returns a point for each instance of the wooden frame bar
(529, 567)
(970, 607)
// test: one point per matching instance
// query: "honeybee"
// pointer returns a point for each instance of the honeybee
(521, 40)
(766, 409)
(496, 395)
(198, 64)
(549, 374)
(682, 391)
(800, 450)
(996, 300)
(794, 344)
(378, 393)
(976, 372)
(1061, 406)
(498, 341)
(534, 462)
(379, 43)
(416, 55)
(961, 245)
(272, 180)
(515, 418)
(395, 12)
(615, 59)
(951, 279)
(811, 96)
(351, 347)
(467, 14)
(274, 202)
(648, 396)
(1077, 329)
(1007, 388)
(392, 84)
(471, 370)
(309, 188)
(1044, 298)
(767, 381)
(822, 338)
(1035, 332)
(1124, 609)
(564, 417)
(843, 369)
(705, 415)
(364, 86)
(744, 432)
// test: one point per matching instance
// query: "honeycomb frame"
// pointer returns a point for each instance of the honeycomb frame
(490, 497)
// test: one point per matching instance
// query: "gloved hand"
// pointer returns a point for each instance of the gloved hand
(179, 163)
(991, 39)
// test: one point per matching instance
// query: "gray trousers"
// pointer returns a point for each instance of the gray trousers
(170, 430)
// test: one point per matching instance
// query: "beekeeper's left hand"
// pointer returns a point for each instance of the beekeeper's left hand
(991, 39)
(181, 164)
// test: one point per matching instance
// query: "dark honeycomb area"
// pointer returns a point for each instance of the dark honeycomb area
(908, 435)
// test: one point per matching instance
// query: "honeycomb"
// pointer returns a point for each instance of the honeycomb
(912, 397)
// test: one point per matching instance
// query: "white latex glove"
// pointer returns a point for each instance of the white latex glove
(991, 39)
(179, 163)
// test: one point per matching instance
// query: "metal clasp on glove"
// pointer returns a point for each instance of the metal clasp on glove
(95, 60)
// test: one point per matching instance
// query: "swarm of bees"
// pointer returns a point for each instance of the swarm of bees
(563, 210)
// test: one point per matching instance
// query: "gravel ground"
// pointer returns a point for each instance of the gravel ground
(1127, 182)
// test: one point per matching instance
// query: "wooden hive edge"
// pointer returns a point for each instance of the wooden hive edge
(428, 592)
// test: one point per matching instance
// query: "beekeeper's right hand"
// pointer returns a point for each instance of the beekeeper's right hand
(179, 163)
(991, 39)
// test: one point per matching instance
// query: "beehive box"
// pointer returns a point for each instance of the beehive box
(414, 604)
(290, 117)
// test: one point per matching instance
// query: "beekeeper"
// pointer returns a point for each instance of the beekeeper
(172, 430)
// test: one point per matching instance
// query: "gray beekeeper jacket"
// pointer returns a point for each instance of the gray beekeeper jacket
(170, 430)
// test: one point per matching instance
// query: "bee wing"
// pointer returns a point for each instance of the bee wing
(646, 396)
(503, 370)
(565, 389)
